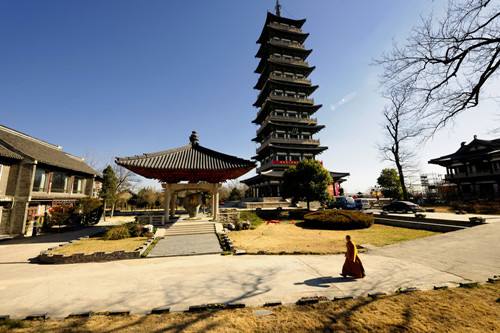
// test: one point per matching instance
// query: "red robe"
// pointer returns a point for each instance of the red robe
(352, 265)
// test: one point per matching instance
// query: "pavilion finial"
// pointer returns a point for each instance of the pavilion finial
(193, 138)
(278, 8)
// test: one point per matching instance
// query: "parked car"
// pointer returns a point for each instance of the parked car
(364, 203)
(402, 206)
(343, 203)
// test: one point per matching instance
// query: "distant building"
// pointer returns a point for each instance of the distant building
(36, 175)
(474, 169)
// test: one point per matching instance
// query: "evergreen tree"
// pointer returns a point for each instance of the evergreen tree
(306, 181)
(109, 187)
(389, 183)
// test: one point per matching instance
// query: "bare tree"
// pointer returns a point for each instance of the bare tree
(125, 180)
(401, 132)
(447, 63)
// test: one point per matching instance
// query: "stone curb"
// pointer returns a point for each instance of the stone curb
(376, 295)
(160, 310)
(443, 287)
(46, 257)
(468, 284)
(4, 318)
(407, 290)
(311, 300)
(38, 316)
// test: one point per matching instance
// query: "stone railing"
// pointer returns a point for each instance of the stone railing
(284, 27)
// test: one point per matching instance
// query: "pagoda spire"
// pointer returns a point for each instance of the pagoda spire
(278, 8)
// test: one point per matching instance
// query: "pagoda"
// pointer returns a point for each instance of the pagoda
(286, 127)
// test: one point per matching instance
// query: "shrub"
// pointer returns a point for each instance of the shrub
(338, 219)
(252, 217)
(90, 210)
(117, 232)
(297, 214)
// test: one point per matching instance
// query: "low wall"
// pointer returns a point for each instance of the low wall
(422, 224)
(229, 216)
(46, 257)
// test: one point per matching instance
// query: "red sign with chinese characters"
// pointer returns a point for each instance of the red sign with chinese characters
(276, 162)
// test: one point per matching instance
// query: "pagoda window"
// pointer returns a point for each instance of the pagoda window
(301, 95)
(278, 92)
(308, 156)
(306, 135)
(281, 157)
(295, 157)
(277, 73)
(299, 76)
(280, 134)
(304, 115)
(290, 93)
(287, 57)
(297, 58)
(286, 40)
(292, 114)
(277, 55)
(276, 38)
(279, 113)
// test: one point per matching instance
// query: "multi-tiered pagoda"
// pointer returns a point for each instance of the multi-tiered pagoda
(286, 127)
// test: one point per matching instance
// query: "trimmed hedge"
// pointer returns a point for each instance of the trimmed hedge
(117, 232)
(338, 219)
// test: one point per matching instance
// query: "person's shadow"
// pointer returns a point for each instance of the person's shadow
(325, 282)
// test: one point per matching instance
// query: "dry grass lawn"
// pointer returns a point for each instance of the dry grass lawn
(455, 310)
(290, 238)
(93, 245)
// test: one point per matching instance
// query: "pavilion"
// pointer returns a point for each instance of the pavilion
(191, 167)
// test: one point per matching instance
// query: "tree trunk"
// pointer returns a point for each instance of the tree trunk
(401, 178)
(113, 209)
(308, 205)
(104, 211)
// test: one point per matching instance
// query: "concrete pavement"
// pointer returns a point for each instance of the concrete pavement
(140, 285)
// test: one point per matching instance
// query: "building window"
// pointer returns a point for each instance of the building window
(293, 114)
(280, 135)
(289, 93)
(59, 182)
(308, 156)
(278, 92)
(295, 157)
(306, 135)
(40, 180)
(279, 113)
(301, 95)
(281, 157)
(78, 185)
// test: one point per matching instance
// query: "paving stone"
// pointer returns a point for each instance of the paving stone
(186, 245)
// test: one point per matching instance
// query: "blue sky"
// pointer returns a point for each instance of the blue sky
(116, 78)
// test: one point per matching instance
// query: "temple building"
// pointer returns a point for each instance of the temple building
(474, 169)
(286, 127)
(34, 177)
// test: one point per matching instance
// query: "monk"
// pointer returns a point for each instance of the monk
(352, 265)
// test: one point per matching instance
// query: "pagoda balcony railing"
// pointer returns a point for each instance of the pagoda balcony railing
(308, 121)
(289, 61)
(286, 28)
(289, 79)
(292, 44)
(292, 99)
(271, 139)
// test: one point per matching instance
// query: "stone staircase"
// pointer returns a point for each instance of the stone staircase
(190, 228)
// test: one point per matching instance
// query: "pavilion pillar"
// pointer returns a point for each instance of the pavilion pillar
(173, 204)
(215, 202)
(166, 203)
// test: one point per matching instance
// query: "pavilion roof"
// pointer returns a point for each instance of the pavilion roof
(193, 163)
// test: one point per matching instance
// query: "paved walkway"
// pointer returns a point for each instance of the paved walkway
(140, 285)
(187, 237)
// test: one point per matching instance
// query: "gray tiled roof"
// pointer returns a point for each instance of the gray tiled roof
(41, 151)
(6, 152)
(189, 157)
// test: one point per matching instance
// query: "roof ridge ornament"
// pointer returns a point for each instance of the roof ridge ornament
(278, 8)
(193, 138)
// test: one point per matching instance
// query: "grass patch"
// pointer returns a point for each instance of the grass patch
(454, 310)
(290, 238)
(93, 245)
(252, 217)
(338, 219)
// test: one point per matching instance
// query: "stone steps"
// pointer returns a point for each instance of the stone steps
(190, 229)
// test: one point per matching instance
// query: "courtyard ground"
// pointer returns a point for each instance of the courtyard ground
(454, 310)
(289, 237)
(143, 284)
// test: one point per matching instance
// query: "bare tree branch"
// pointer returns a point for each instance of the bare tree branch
(447, 63)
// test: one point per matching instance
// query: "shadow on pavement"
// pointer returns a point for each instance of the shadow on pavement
(55, 237)
(324, 282)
